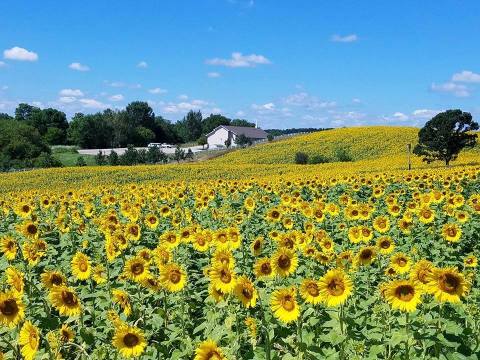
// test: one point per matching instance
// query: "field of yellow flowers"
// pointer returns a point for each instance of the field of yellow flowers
(207, 262)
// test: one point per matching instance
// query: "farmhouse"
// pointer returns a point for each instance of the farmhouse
(222, 133)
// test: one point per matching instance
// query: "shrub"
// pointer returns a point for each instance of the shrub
(113, 159)
(319, 159)
(301, 158)
(81, 161)
(130, 156)
(343, 155)
(270, 137)
(46, 160)
(100, 158)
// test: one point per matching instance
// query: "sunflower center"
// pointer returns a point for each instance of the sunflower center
(385, 244)
(289, 243)
(275, 214)
(33, 340)
(247, 293)
(130, 340)
(284, 262)
(175, 276)
(404, 292)
(266, 269)
(213, 355)
(257, 245)
(137, 268)
(452, 232)
(68, 298)
(31, 229)
(312, 289)
(56, 279)
(366, 254)
(401, 262)
(25, 208)
(288, 303)
(134, 230)
(449, 283)
(83, 266)
(225, 277)
(201, 241)
(9, 307)
(336, 287)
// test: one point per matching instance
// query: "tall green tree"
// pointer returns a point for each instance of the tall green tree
(190, 128)
(212, 121)
(445, 135)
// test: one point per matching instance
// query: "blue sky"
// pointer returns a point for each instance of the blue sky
(281, 63)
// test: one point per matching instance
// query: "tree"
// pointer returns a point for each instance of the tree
(113, 159)
(81, 161)
(190, 128)
(4, 116)
(23, 112)
(445, 135)
(242, 140)
(141, 114)
(91, 131)
(228, 142)
(301, 158)
(100, 158)
(212, 121)
(241, 122)
(130, 156)
(179, 154)
(189, 155)
(270, 137)
(202, 141)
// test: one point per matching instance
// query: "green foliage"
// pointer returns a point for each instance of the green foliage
(319, 159)
(241, 122)
(270, 137)
(445, 135)
(130, 156)
(213, 121)
(100, 158)
(228, 142)
(155, 155)
(90, 131)
(81, 161)
(179, 154)
(242, 140)
(301, 158)
(189, 155)
(46, 160)
(202, 141)
(113, 158)
(342, 154)
(190, 128)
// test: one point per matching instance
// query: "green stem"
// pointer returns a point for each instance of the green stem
(407, 349)
(265, 329)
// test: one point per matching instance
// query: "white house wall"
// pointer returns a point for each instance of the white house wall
(218, 138)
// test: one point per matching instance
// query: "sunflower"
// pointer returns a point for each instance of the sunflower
(15, 279)
(263, 268)
(223, 257)
(170, 239)
(129, 341)
(447, 285)
(285, 262)
(81, 268)
(426, 215)
(257, 245)
(400, 262)
(216, 294)
(173, 277)
(65, 300)
(29, 230)
(385, 245)
(201, 241)
(99, 275)
(136, 269)
(121, 298)
(335, 287)
(284, 305)
(66, 334)
(421, 272)
(249, 204)
(403, 295)
(274, 215)
(345, 259)
(51, 279)
(133, 232)
(310, 291)
(366, 255)
(251, 324)
(12, 309)
(246, 292)
(9, 247)
(208, 350)
(381, 224)
(223, 278)
(152, 283)
(470, 261)
(29, 339)
(451, 232)
(151, 221)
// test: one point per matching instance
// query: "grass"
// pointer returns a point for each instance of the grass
(68, 156)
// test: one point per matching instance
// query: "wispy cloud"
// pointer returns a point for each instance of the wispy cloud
(458, 90)
(142, 64)
(345, 38)
(117, 97)
(71, 92)
(157, 91)
(20, 54)
(79, 67)
(214, 75)
(93, 104)
(239, 60)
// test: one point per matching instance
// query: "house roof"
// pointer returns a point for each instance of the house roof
(249, 132)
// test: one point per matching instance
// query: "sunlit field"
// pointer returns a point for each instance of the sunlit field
(262, 260)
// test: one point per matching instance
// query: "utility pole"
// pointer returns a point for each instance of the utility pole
(409, 148)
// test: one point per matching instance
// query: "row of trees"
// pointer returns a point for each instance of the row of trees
(136, 125)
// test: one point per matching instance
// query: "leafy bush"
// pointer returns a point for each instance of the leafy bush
(46, 160)
(130, 156)
(100, 158)
(343, 155)
(319, 159)
(113, 159)
(81, 161)
(301, 158)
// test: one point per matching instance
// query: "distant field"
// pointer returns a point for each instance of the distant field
(69, 156)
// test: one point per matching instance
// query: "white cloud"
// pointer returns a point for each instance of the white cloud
(142, 64)
(118, 97)
(425, 113)
(268, 106)
(466, 76)
(183, 97)
(344, 39)
(93, 104)
(38, 104)
(157, 91)
(240, 113)
(303, 99)
(452, 88)
(71, 92)
(67, 99)
(356, 101)
(116, 84)
(185, 106)
(214, 75)
(239, 60)
(135, 86)
(78, 67)
(20, 54)
(400, 116)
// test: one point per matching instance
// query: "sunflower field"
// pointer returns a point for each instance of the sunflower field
(297, 266)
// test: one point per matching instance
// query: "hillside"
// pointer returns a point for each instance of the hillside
(372, 143)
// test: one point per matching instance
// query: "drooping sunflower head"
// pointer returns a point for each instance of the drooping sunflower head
(9, 247)
(173, 277)
(470, 261)
(12, 309)
(66, 334)
(257, 245)
(421, 272)
(335, 287)
(284, 304)
(121, 298)
(403, 295)
(208, 350)
(129, 341)
(15, 279)
(53, 278)
(223, 257)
